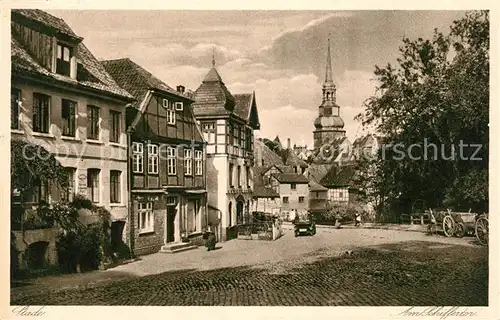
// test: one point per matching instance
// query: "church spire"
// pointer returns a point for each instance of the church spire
(213, 57)
(328, 73)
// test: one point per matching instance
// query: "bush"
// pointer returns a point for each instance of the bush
(80, 245)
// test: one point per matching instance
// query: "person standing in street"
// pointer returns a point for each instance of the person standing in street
(358, 219)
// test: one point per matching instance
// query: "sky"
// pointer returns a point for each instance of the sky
(281, 55)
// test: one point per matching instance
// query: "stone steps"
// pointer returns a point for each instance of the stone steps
(178, 247)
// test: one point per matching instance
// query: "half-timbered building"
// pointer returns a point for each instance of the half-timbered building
(167, 166)
(228, 123)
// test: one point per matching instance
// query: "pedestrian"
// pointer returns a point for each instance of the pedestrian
(358, 219)
(337, 220)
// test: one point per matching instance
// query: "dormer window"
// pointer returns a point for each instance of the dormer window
(63, 59)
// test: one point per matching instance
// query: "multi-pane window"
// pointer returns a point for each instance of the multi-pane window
(188, 162)
(198, 158)
(146, 217)
(179, 106)
(39, 192)
(249, 139)
(171, 161)
(239, 176)
(231, 175)
(64, 54)
(114, 184)
(152, 159)
(247, 173)
(285, 199)
(243, 134)
(68, 115)
(230, 134)
(67, 194)
(114, 126)
(93, 184)
(137, 157)
(293, 186)
(236, 133)
(15, 101)
(93, 122)
(208, 130)
(41, 109)
(170, 111)
(301, 199)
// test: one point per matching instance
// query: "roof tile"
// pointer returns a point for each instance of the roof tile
(135, 79)
(91, 74)
(290, 178)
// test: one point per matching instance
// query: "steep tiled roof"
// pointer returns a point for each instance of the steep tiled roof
(264, 192)
(266, 154)
(243, 104)
(314, 186)
(329, 151)
(90, 73)
(318, 171)
(212, 98)
(260, 190)
(339, 177)
(291, 159)
(47, 20)
(290, 178)
(135, 79)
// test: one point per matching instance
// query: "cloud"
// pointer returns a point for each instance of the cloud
(359, 41)
(198, 55)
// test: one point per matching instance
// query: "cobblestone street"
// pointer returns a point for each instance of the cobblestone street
(386, 268)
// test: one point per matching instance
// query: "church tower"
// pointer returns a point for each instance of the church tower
(329, 125)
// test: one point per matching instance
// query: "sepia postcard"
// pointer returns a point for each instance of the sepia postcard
(290, 155)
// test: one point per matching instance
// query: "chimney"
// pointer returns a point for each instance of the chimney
(181, 89)
(288, 143)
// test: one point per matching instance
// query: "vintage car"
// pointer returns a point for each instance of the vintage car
(306, 226)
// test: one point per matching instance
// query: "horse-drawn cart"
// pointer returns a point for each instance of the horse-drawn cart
(459, 224)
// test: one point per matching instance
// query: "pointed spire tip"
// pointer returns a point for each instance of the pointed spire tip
(213, 57)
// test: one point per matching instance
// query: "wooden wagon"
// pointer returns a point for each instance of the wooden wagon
(459, 224)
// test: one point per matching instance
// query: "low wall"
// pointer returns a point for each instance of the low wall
(277, 230)
(24, 239)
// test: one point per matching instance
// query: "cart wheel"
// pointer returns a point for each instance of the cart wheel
(448, 226)
(482, 230)
(460, 230)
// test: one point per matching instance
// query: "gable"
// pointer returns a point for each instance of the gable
(152, 119)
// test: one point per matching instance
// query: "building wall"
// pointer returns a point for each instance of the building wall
(269, 205)
(221, 192)
(340, 194)
(318, 200)
(302, 190)
(78, 152)
(153, 128)
(149, 242)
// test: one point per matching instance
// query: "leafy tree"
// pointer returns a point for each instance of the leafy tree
(437, 95)
(31, 163)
